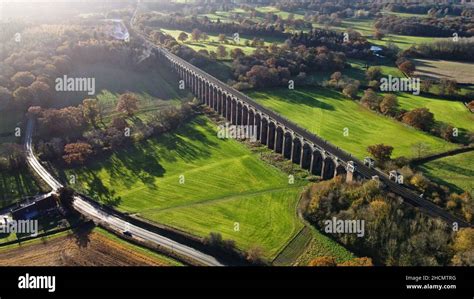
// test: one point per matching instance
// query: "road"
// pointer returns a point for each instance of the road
(96, 213)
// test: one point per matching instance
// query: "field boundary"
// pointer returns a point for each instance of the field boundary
(429, 158)
(287, 255)
(45, 234)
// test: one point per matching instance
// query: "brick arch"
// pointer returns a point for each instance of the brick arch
(296, 151)
(317, 164)
(329, 168)
(287, 145)
(306, 156)
(271, 135)
(228, 100)
(245, 115)
(279, 139)
(251, 117)
(233, 111)
(258, 123)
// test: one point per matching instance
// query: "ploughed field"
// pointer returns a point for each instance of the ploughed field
(329, 115)
(93, 248)
(462, 72)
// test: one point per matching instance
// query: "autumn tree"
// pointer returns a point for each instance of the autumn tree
(6, 97)
(323, 261)
(236, 53)
(15, 156)
(426, 85)
(183, 36)
(464, 247)
(23, 79)
(448, 87)
(255, 255)
(336, 77)
(420, 118)
(470, 105)
(90, 109)
(447, 132)
(221, 51)
(350, 90)
(22, 96)
(373, 73)
(77, 153)
(420, 182)
(380, 152)
(128, 104)
(62, 63)
(221, 38)
(378, 34)
(65, 122)
(389, 104)
(119, 123)
(358, 262)
(41, 93)
(407, 67)
(371, 100)
(261, 76)
(196, 34)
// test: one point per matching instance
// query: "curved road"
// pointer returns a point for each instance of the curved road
(96, 213)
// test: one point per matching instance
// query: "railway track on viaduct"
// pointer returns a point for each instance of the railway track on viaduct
(285, 137)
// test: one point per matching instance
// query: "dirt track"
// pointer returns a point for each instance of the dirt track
(93, 250)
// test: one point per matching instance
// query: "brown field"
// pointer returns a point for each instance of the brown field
(462, 72)
(91, 249)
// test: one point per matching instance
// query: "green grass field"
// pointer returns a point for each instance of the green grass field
(457, 171)
(194, 181)
(327, 113)
(147, 106)
(322, 245)
(451, 112)
(159, 83)
(366, 28)
(213, 42)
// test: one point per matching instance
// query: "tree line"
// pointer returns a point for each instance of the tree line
(247, 27)
(277, 65)
(354, 45)
(75, 134)
(433, 27)
(434, 9)
(460, 50)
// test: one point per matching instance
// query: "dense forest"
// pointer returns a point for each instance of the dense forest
(353, 44)
(395, 234)
(434, 27)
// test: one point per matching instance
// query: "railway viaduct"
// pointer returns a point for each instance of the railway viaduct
(283, 136)
(277, 133)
